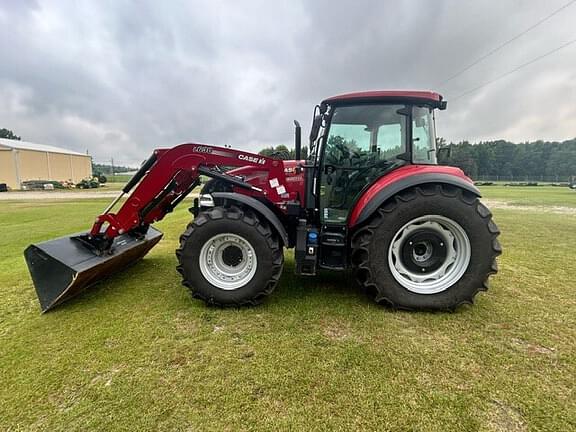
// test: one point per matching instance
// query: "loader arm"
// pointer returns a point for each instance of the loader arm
(167, 178)
(63, 267)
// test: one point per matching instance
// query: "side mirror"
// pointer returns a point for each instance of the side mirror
(445, 149)
(297, 140)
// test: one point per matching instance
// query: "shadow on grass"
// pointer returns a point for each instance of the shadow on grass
(155, 280)
(137, 280)
(156, 277)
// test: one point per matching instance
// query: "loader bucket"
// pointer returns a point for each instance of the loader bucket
(63, 267)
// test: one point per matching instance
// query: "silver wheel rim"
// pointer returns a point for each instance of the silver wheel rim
(406, 258)
(216, 266)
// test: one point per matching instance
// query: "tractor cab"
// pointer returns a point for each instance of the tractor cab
(357, 138)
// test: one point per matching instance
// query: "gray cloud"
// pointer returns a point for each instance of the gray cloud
(119, 78)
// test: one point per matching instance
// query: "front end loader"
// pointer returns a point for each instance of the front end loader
(369, 197)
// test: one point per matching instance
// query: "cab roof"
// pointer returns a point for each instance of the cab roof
(417, 96)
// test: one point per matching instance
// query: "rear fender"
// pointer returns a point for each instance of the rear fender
(258, 207)
(404, 178)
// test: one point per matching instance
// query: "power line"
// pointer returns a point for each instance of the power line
(502, 45)
(514, 70)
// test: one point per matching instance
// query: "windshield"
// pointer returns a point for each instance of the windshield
(366, 132)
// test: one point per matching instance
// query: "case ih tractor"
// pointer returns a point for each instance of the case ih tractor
(369, 197)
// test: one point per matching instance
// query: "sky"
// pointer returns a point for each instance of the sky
(118, 78)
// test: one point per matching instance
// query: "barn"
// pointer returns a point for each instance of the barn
(21, 161)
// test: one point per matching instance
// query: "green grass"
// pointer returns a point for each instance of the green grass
(118, 178)
(531, 196)
(112, 186)
(137, 353)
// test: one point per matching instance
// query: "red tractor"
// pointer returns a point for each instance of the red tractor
(369, 197)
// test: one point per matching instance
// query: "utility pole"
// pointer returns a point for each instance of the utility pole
(112, 168)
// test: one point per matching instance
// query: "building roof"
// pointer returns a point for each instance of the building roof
(25, 145)
(425, 96)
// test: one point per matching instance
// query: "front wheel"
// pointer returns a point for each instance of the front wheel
(230, 257)
(431, 247)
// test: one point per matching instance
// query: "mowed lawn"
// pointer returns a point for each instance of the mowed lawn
(137, 353)
(547, 196)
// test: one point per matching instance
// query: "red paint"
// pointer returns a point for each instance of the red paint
(383, 95)
(293, 178)
(397, 175)
(181, 164)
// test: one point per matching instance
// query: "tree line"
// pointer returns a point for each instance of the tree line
(530, 160)
(493, 159)
(282, 152)
(488, 159)
(109, 169)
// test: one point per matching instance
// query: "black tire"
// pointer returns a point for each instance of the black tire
(371, 247)
(215, 185)
(235, 221)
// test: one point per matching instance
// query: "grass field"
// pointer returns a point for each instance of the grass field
(118, 178)
(532, 195)
(137, 353)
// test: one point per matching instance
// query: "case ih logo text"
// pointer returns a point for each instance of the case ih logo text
(202, 149)
(253, 159)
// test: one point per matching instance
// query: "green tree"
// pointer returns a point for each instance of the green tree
(562, 163)
(267, 151)
(529, 160)
(8, 134)
(278, 152)
(303, 153)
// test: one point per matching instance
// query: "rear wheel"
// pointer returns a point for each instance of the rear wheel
(228, 256)
(432, 247)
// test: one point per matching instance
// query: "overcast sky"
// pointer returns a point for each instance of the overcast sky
(119, 78)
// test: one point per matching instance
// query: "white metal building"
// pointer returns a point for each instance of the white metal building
(21, 161)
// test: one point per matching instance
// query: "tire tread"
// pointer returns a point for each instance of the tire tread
(363, 237)
(238, 215)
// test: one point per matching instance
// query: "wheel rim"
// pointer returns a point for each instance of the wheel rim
(228, 261)
(429, 254)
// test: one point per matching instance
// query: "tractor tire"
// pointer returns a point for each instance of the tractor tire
(432, 247)
(215, 185)
(230, 257)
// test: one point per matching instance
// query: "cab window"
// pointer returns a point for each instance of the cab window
(423, 136)
(363, 142)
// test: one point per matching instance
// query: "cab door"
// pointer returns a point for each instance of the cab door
(363, 141)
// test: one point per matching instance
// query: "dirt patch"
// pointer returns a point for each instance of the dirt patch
(105, 379)
(532, 348)
(185, 324)
(496, 204)
(502, 417)
(335, 330)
